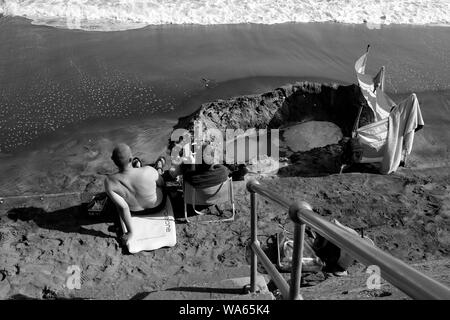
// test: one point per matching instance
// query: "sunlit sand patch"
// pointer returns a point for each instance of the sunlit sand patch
(312, 134)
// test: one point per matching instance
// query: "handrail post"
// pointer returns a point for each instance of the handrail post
(299, 238)
(254, 240)
(296, 272)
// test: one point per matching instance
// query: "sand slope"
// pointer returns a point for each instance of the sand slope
(410, 221)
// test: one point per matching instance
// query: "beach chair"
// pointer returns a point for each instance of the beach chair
(210, 196)
(372, 140)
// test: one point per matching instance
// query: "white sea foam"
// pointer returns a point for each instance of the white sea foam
(108, 15)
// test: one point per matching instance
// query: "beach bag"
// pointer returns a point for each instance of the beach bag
(356, 151)
(282, 249)
(97, 204)
(334, 258)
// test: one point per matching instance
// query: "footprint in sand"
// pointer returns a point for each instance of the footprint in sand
(5, 238)
(92, 154)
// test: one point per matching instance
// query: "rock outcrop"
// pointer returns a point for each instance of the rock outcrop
(293, 103)
(299, 102)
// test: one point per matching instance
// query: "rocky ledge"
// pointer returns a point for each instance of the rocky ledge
(287, 105)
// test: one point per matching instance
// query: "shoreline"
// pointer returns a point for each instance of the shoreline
(370, 26)
(367, 25)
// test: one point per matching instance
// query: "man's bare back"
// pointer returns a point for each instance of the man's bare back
(139, 187)
(133, 189)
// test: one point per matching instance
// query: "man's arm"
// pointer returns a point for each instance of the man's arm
(121, 204)
(159, 180)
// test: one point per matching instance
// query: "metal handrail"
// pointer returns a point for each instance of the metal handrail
(292, 291)
(412, 282)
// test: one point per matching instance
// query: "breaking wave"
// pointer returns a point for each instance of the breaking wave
(109, 15)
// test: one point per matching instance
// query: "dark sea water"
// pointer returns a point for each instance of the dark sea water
(53, 77)
(56, 83)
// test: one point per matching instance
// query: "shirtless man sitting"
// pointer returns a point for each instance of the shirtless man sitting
(134, 191)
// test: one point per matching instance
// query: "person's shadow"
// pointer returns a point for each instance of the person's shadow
(71, 220)
(75, 219)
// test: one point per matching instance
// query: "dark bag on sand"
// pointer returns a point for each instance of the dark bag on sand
(353, 151)
(334, 258)
(97, 204)
(319, 254)
(356, 150)
(282, 248)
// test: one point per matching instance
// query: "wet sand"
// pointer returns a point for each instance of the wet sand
(52, 78)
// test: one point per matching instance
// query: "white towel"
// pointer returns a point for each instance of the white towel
(153, 231)
(404, 120)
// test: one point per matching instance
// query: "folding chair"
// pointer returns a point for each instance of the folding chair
(372, 138)
(209, 196)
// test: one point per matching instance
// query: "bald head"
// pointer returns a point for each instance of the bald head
(121, 155)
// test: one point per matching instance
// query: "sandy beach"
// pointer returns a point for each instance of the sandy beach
(40, 244)
(68, 96)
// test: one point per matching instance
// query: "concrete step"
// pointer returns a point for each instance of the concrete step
(211, 287)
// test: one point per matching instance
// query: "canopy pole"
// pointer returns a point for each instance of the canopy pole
(355, 126)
